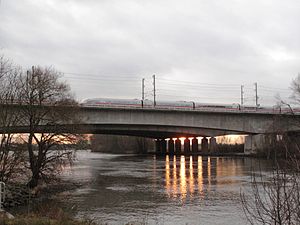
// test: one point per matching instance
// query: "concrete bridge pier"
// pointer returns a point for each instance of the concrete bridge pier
(158, 146)
(187, 146)
(177, 146)
(171, 145)
(212, 144)
(163, 144)
(195, 145)
(204, 145)
(259, 144)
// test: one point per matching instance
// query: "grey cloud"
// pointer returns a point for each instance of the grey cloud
(231, 42)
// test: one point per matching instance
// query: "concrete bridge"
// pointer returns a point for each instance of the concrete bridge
(173, 123)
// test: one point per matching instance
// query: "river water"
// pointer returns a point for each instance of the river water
(160, 190)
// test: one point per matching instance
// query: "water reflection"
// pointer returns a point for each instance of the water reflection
(154, 173)
(191, 176)
(168, 190)
(168, 179)
(200, 176)
(174, 173)
(186, 176)
(182, 178)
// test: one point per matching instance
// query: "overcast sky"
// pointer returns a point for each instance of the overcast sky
(200, 50)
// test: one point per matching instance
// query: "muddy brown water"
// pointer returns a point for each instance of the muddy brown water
(118, 189)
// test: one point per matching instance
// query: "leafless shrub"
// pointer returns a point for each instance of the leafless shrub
(274, 198)
(47, 104)
(11, 155)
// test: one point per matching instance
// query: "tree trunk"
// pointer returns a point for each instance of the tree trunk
(34, 180)
(33, 165)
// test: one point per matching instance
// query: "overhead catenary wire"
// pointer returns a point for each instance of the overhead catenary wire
(195, 83)
(170, 89)
(128, 78)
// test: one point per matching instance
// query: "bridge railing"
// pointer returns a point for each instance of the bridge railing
(271, 110)
(201, 108)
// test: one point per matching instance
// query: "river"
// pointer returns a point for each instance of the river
(160, 190)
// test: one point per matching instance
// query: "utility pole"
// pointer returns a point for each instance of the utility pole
(154, 91)
(242, 95)
(256, 95)
(143, 89)
(143, 92)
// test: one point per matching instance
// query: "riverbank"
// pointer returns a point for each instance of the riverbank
(19, 195)
(42, 220)
(38, 220)
(37, 206)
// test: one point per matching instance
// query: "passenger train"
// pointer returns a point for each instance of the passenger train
(186, 105)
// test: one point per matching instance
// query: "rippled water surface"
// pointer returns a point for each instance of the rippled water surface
(160, 190)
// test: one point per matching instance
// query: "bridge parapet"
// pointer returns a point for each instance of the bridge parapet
(170, 123)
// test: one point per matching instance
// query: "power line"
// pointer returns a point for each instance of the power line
(186, 96)
(201, 90)
(99, 79)
(196, 90)
(268, 87)
(170, 82)
(127, 76)
(196, 83)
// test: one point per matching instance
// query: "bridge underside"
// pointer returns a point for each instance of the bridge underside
(150, 131)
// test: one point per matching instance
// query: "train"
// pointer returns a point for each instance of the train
(188, 105)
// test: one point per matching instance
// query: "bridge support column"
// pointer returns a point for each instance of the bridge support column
(158, 146)
(204, 145)
(195, 145)
(171, 144)
(163, 145)
(212, 144)
(262, 144)
(187, 146)
(178, 146)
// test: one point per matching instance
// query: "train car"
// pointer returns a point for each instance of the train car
(217, 107)
(110, 102)
(184, 105)
(175, 104)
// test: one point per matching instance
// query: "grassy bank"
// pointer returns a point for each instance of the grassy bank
(46, 214)
(49, 214)
(34, 220)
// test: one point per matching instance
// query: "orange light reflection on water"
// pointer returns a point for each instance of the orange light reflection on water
(174, 177)
(208, 172)
(193, 174)
(191, 177)
(200, 176)
(183, 183)
(179, 181)
(168, 179)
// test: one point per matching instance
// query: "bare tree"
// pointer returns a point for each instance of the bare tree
(47, 104)
(296, 88)
(274, 198)
(11, 159)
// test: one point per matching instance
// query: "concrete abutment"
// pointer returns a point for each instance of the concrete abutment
(212, 144)
(195, 143)
(177, 146)
(187, 146)
(171, 146)
(204, 145)
(259, 144)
